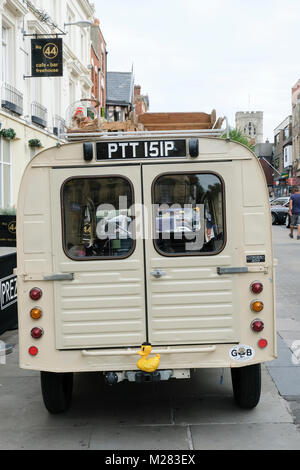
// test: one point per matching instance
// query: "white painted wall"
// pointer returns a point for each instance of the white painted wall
(53, 93)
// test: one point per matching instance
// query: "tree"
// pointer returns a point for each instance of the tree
(237, 135)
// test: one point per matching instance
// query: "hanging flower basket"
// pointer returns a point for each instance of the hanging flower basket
(9, 134)
(35, 143)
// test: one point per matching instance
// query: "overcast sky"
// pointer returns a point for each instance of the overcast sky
(199, 55)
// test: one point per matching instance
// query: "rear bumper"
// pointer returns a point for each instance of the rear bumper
(174, 357)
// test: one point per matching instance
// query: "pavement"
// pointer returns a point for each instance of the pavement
(285, 371)
(186, 415)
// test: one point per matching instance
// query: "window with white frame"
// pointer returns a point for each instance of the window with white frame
(5, 174)
(4, 54)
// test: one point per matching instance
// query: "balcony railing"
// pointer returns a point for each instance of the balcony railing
(12, 99)
(59, 124)
(39, 114)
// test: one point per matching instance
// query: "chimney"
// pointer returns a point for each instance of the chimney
(137, 90)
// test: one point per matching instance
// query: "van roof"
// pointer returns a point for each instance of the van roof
(210, 149)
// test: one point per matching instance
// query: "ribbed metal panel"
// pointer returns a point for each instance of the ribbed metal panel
(191, 305)
(102, 309)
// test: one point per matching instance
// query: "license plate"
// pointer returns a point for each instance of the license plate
(141, 149)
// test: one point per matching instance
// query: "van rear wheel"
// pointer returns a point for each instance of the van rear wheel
(57, 391)
(246, 384)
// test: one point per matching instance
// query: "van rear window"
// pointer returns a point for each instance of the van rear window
(188, 214)
(98, 219)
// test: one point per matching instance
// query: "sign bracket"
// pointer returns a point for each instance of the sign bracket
(37, 35)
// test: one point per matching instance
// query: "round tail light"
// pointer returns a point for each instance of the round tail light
(256, 287)
(33, 351)
(35, 293)
(262, 343)
(257, 325)
(257, 306)
(36, 313)
(37, 332)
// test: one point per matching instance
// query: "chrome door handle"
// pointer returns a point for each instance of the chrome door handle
(158, 273)
(59, 277)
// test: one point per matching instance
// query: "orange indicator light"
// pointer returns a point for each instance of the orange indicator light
(35, 313)
(257, 306)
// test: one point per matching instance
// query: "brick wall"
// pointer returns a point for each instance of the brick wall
(98, 62)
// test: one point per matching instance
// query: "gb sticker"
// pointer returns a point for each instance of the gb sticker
(241, 353)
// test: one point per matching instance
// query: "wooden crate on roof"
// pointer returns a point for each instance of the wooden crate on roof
(180, 121)
(131, 124)
(120, 126)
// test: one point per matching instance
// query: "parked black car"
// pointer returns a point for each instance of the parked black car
(280, 210)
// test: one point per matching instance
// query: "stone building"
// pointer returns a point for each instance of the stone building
(36, 107)
(251, 124)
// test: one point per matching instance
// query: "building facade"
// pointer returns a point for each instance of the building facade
(296, 128)
(120, 95)
(251, 124)
(283, 157)
(98, 66)
(264, 152)
(35, 108)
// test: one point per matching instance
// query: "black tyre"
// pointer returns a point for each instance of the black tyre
(57, 391)
(246, 384)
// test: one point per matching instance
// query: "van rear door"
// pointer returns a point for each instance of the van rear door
(188, 302)
(104, 305)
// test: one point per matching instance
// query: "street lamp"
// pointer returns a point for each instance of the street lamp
(81, 24)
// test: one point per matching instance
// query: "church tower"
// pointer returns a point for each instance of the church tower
(251, 124)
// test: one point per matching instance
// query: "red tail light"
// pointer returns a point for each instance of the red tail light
(257, 325)
(37, 332)
(35, 293)
(33, 351)
(256, 287)
(262, 343)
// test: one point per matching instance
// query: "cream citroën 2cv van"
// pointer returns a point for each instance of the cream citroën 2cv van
(145, 240)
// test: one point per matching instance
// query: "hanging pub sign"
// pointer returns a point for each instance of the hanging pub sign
(47, 57)
(8, 230)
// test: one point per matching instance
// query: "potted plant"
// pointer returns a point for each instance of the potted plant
(9, 134)
(35, 143)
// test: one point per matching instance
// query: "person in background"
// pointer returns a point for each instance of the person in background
(294, 211)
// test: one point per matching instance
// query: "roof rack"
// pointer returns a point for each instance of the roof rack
(108, 135)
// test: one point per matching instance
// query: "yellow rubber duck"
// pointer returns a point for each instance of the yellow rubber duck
(145, 364)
